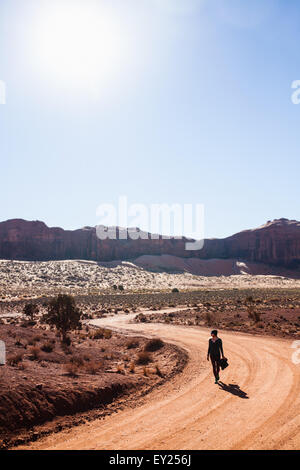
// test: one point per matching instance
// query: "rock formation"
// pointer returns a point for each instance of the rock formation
(276, 243)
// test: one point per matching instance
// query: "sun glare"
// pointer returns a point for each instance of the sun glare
(78, 45)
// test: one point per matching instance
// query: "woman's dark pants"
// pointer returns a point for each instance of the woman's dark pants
(215, 360)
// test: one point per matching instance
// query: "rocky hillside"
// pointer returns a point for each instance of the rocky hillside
(276, 243)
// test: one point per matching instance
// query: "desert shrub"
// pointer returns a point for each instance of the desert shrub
(253, 314)
(47, 347)
(12, 334)
(101, 333)
(92, 367)
(132, 344)
(175, 290)
(71, 369)
(63, 314)
(78, 360)
(143, 358)
(132, 367)
(158, 371)
(209, 318)
(34, 353)
(66, 341)
(121, 288)
(15, 360)
(30, 310)
(120, 369)
(154, 345)
(141, 317)
(86, 357)
(66, 349)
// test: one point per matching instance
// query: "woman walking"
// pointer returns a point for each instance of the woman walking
(215, 351)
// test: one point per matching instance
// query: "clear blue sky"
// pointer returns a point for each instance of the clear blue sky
(192, 105)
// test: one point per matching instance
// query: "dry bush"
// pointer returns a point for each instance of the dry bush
(208, 318)
(92, 367)
(158, 371)
(120, 369)
(15, 359)
(66, 341)
(47, 347)
(67, 349)
(107, 334)
(143, 358)
(132, 344)
(21, 366)
(101, 333)
(154, 345)
(253, 314)
(34, 353)
(77, 360)
(71, 369)
(87, 358)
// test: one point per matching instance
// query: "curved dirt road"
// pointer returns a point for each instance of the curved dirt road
(257, 407)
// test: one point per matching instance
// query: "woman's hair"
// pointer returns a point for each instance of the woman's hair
(214, 332)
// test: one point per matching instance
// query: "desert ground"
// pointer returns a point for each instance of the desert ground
(96, 394)
(255, 406)
(148, 273)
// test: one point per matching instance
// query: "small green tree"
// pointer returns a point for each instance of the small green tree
(63, 314)
(30, 310)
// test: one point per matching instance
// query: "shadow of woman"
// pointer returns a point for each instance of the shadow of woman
(233, 389)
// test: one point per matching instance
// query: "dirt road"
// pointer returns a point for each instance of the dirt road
(256, 405)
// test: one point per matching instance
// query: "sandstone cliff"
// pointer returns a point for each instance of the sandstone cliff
(277, 243)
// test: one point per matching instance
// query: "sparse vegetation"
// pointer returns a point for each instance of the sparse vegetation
(158, 371)
(154, 345)
(63, 314)
(132, 344)
(47, 347)
(34, 352)
(101, 333)
(71, 369)
(253, 314)
(15, 359)
(92, 367)
(30, 310)
(143, 358)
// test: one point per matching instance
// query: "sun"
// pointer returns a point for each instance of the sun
(78, 44)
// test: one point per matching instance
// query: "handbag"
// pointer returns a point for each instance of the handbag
(224, 363)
